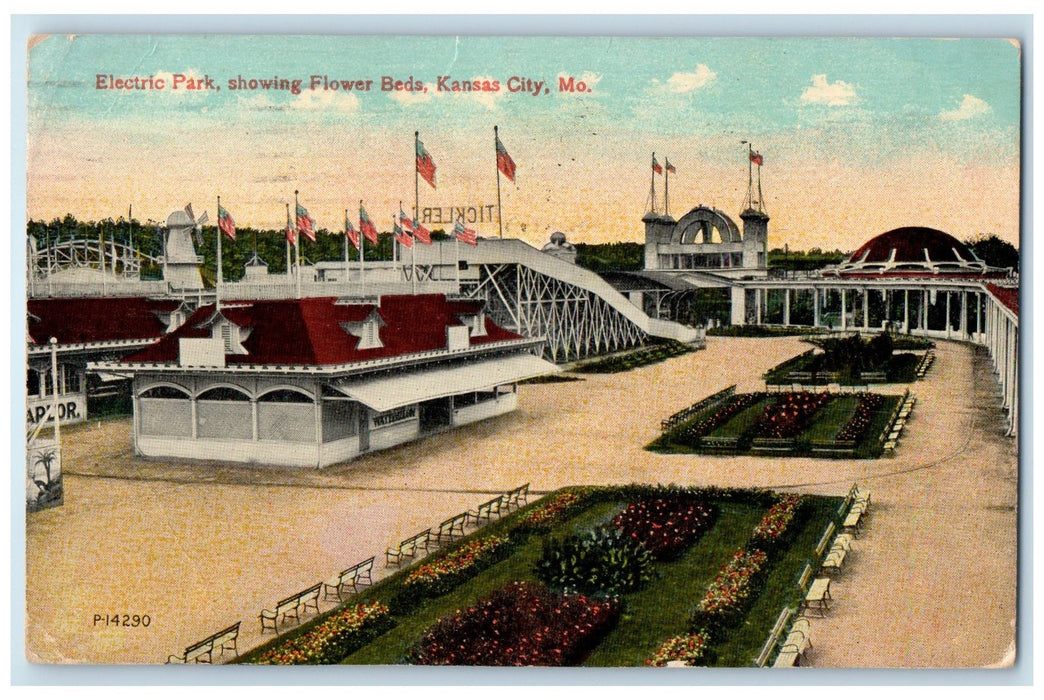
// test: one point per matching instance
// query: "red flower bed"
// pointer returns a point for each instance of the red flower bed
(857, 425)
(552, 511)
(775, 522)
(666, 527)
(694, 431)
(789, 415)
(522, 624)
(331, 640)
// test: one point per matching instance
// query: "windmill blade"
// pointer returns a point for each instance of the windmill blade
(188, 210)
(203, 218)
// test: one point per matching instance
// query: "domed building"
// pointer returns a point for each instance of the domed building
(913, 251)
(560, 248)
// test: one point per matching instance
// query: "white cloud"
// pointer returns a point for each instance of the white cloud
(690, 82)
(326, 100)
(835, 94)
(971, 106)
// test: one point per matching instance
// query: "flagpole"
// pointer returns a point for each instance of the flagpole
(666, 179)
(288, 267)
(416, 206)
(297, 246)
(456, 254)
(362, 255)
(346, 247)
(219, 279)
(652, 184)
(500, 219)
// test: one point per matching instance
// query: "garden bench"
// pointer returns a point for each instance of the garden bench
(873, 376)
(773, 639)
(834, 559)
(797, 643)
(821, 547)
(353, 576)
(200, 652)
(818, 595)
(720, 443)
(520, 496)
(294, 604)
(487, 510)
(407, 549)
(451, 528)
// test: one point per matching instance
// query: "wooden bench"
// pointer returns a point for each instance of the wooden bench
(798, 641)
(822, 546)
(817, 596)
(407, 549)
(487, 510)
(227, 640)
(519, 496)
(451, 528)
(761, 660)
(353, 576)
(835, 558)
(294, 605)
(200, 652)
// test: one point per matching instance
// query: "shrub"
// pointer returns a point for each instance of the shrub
(689, 648)
(522, 624)
(601, 561)
(733, 590)
(333, 638)
(666, 527)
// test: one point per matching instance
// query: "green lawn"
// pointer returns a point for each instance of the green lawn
(824, 426)
(657, 612)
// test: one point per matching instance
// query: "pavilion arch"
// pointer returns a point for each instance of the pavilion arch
(700, 226)
(286, 394)
(224, 392)
(165, 390)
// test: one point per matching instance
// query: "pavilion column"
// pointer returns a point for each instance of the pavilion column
(786, 307)
(948, 324)
(906, 311)
(757, 305)
(964, 315)
(924, 310)
(195, 418)
(844, 309)
(815, 307)
(739, 306)
(318, 427)
(978, 316)
(253, 418)
(866, 309)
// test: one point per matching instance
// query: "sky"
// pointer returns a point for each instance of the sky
(858, 135)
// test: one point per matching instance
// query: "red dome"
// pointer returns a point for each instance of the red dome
(913, 244)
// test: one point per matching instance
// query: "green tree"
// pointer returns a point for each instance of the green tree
(994, 251)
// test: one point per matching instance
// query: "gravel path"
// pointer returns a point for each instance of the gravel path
(197, 546)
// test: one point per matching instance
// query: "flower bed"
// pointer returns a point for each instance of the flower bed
(694, 431)
(788, 416)
(732, 590)
(453, 564)
(553, 511)
(595, 562)
(773, 526)
(522, 624)
(666, 526)
(689, 648)
(332, 639)
(856, 427)
(640, 357)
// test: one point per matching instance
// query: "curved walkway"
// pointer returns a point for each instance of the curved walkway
(198, 546)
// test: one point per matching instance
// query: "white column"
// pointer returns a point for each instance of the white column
(844, 309)
(253, 417)
(924, 310)
(815, 307)
(757, 305)
(739, 306)
(964, 315)
(978, 316)
(866, 308)
(786, 307)
(906, 311)
(318, 427)
(948, 324)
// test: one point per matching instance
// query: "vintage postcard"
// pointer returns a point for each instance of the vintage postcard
(522, 351)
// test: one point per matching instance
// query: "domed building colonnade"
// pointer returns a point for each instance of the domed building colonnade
(910, 280)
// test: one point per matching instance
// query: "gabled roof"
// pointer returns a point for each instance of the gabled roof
(86, 320)
(309, 331)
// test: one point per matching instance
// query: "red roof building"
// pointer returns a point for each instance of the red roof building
(313, 382)
(914, 251)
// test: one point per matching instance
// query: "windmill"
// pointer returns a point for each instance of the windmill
(197, 232)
